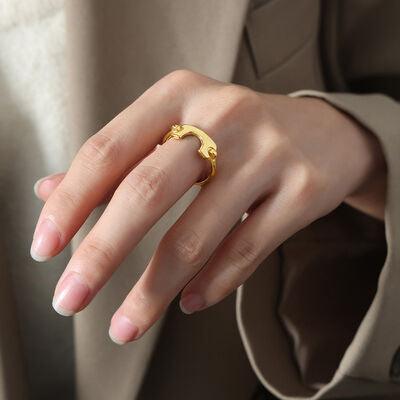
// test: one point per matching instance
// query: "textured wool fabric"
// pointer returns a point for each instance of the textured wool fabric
(34, 143)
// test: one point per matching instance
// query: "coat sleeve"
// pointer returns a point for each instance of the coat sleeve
(369, 362)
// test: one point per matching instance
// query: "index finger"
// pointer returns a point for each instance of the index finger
(104, 159)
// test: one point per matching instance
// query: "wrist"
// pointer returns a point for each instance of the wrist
(361, 162)
(369, 194)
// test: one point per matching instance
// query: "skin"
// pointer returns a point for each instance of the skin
(285, 161)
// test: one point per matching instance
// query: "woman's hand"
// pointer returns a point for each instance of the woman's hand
(285, 161)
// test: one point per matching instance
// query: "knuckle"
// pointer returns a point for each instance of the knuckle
(223, 288)
(139, 300)
(186, 248)
(147, 183)
(237, 98)
(65, 199)
(100, 150)
(307, 184)
(142, 307)
(182, 76)
(243, 255)
(274, 148)
(99, 251)
(233, 101)
(178, 81)
(237, 92)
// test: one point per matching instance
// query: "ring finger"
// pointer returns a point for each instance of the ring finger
(185, 249)
(138, 202)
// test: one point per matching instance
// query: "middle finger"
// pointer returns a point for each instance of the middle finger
(182, 252)
(141, 199)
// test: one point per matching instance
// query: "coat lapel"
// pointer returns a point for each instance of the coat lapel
(116, 50)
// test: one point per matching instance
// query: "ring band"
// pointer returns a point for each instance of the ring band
(207, 149)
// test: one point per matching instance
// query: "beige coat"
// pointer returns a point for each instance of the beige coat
(321, 316)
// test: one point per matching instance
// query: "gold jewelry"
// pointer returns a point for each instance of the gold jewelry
(207, 149)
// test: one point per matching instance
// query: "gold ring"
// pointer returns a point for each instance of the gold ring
(207, 149)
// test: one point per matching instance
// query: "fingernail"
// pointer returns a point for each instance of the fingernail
(46, 240)
(122, 330)
(44, 185)
(36, 187)
(191, 303)
(71, 295)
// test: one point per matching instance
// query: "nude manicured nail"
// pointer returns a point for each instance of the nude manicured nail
(71, 295)
(46, 240)
(43, 187)
(191, 303)
(122, 330)
(36, 187)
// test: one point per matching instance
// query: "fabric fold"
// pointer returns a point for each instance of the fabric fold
(364, 368)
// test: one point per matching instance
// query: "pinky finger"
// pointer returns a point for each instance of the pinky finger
(44, 187)
(242, 251)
